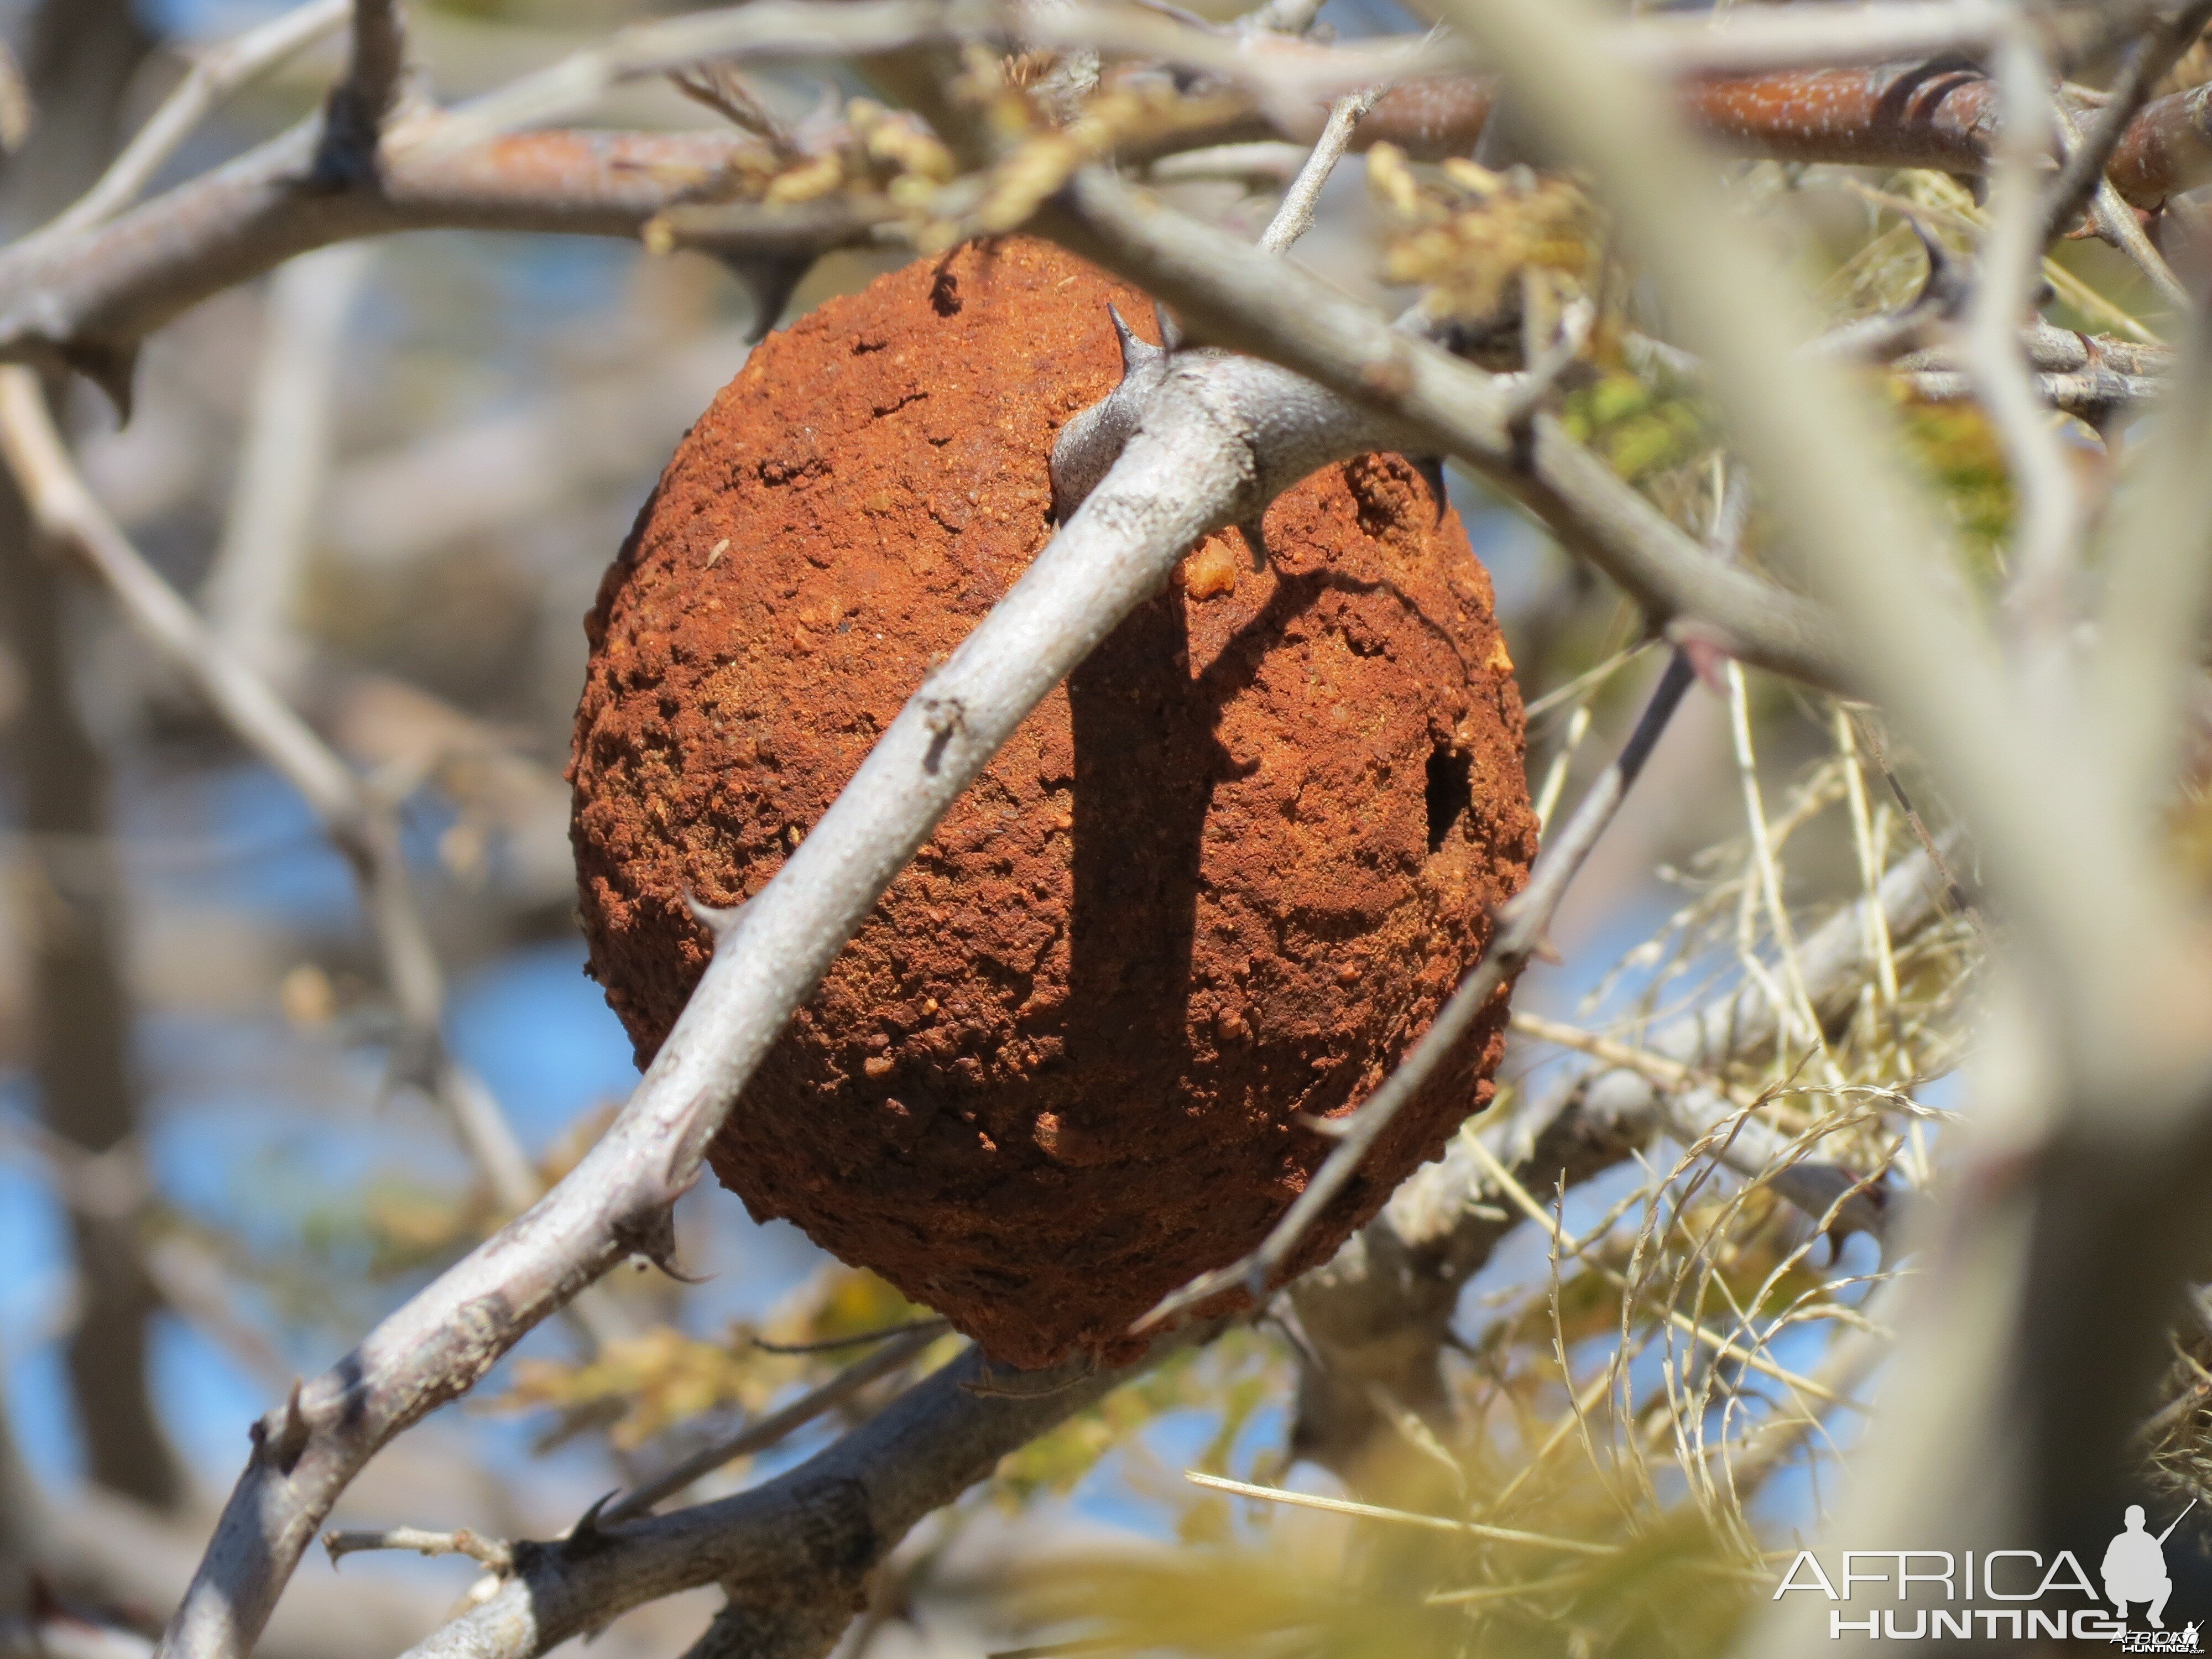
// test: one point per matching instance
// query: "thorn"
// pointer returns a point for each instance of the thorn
(656, 1242)
(110, 367)
(1547, 952)
(769, 283)
(666, 1262)
(292, 1439)
(1136, 351)
(585, 1536)
(1432, 469)
(1170, 329)
(720, 920)
(1256, 538)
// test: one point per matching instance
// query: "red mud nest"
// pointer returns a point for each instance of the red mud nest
(1218, 882)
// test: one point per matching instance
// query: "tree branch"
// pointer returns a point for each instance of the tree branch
(364, 829)
(1235, 294)
(2086, 166)
(1379, 1315)
(1220, 438)
(215, 74)
(89, 298)
(791, 1552)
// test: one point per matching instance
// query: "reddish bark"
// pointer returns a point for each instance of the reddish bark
(1895, 115)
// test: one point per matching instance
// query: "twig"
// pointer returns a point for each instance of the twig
(1520, 926)
(2083, 175)
(1724, 1347)
(779, 1424)
(493, 1553)
(354, 115)
(1295, 217)
(215, 74)
(88, 298)
(1383, 1307)
(823, 1525)
(833, 1344)
(2115, 219)
(2094, 396)
(364, 830)
(252, 591)
(2050, 501)
(1219, 439)
(1237, 296)
(1753, 41)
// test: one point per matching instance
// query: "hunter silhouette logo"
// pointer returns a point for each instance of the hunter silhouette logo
(2135, 1567)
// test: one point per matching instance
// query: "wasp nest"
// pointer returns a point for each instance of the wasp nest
(1212, 890)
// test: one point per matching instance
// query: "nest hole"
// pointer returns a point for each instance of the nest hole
(1450, 787)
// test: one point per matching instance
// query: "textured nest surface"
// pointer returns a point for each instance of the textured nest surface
(1217, 882)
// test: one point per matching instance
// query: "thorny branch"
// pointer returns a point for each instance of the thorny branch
(89, 297)
(1220, 438)
(365, 829)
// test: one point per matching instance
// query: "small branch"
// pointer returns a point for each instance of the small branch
(778, 1426)
(2118, 224)
(2094, 396)
(495, 1555)
(1295, 217)
(88, 298)
(2082, 177)
(1747, 41)
(215, 74)
(354, 115)
(1220, 438)
(1239, 297)
(364, 829)
(808, 1538)
(2158, 587)
(1520, 925)
(1381, 1312)
(834, 1344)
(2012, 263)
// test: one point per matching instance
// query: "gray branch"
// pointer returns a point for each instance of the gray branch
(791, 1552)
(1240, 298)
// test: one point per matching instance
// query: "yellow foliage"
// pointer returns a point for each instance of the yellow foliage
(666, 1377)
(1235, 1376)
(1958, 455)
(1049, 156)
(1640, 430)
(1469, 237)
(661, 1378)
